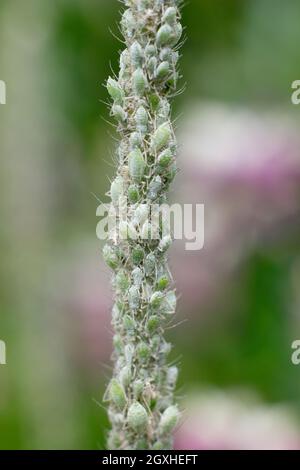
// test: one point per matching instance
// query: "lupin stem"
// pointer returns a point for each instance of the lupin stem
(141, 393)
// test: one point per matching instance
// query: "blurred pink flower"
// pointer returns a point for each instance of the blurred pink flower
(245, 168)
(221, 421)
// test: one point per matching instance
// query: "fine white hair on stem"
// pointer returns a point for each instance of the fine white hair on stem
(140, 396)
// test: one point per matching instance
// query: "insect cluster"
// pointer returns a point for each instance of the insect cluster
(141, 393)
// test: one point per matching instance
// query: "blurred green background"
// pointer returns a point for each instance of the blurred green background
(56, 159)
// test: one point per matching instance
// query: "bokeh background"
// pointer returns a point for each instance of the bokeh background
(239, 155)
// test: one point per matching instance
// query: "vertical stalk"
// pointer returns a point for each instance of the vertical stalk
(141, 393)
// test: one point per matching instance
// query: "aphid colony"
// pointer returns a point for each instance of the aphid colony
(140, 395)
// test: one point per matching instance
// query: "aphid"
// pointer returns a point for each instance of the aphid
(139, 82)
(152, 65)
(150, 50)
(110, 257)
(177, 33)
(165, 158)
(164, 35)
(156, 340)
(172, 170)
(163, 111)
(137, 255)
(162, 71)
(118, 343)
(137, 417)
(165, 243)
(175, 57)
(116, 417)
(137, 276)
(143, 352)
(141, 119)
(169, 419)
(136, 164)
(170, 301)
(116, 189)
(124, 59)
(156, 299)
(117, 394)
(141, 214)
(138, 387)
(135, 140)
(155, 187)
(150, 263)
(172, 375)
(119, 113)
(162, 282)
(129, 324)
(115, 313)
(145, 232)
(123, 230)
(129, 353)
(170, 16)
(122, 151)
(143, 4)
(125, 376)
(153, 323)
(136, 54)
(161, 137)
(166, 54)
(128, 22)
(121, 281)
(134, 297)
(115, 90)
(133, 193)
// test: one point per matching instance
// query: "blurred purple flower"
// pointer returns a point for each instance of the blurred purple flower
(245, 168)
(220, 421)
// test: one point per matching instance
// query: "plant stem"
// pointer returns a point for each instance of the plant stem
(141, 393)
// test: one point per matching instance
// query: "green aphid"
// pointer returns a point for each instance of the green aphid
(137, 255)
(150, 50)
(150, 263)
(143, 352)
(162, 71)
(163, 282)
(134, 297)
(154, 188)
(139, 82)
(136, 164)
(161, 136)
(164, 35)
(136, 54)
(170, 16)
(115, 91)
(153, 323)
(137, 417)
(165, 158)
(110, 257)
(119, 113)
(116, 189)
(169, 420)
(117, 394)
(129, 324)
(156, 299)
(122, 281)
(141, 119)
(133, 193)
